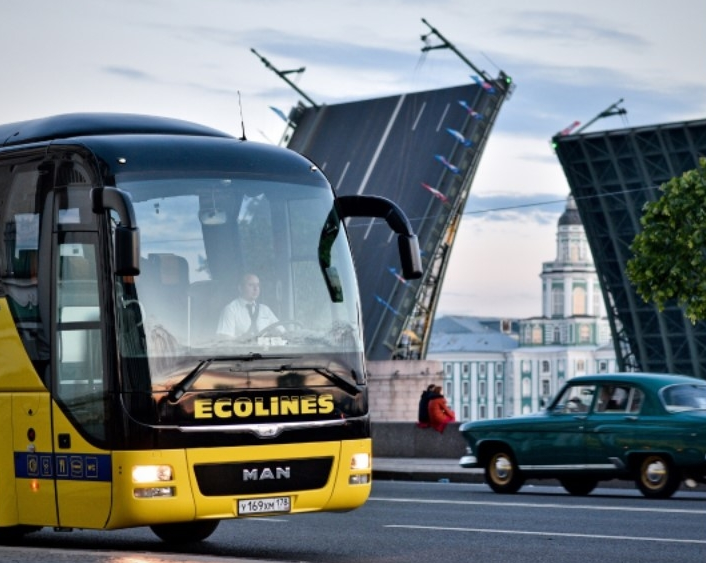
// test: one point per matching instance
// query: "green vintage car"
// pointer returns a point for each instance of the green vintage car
(647, 428)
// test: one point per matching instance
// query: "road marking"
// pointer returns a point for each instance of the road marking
(659, 509)
(553, 534)
(22, 553)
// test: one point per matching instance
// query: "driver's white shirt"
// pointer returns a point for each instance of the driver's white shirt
(235, 318)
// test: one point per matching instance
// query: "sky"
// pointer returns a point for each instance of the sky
(192, 59)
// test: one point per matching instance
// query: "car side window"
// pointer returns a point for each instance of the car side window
(614, 398)
(637, 397)
(575, 399)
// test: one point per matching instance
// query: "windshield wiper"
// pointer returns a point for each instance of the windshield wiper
(329, 374)
(178, 390)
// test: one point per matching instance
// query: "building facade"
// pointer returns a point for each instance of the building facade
(495, 368)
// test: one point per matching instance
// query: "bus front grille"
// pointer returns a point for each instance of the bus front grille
(262, 477)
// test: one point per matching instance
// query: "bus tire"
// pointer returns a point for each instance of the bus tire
(185, 532)
(13, 534)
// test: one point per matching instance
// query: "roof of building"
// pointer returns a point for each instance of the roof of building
(468, 334)
(570, 216)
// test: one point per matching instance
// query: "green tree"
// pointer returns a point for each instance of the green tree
(669, 254)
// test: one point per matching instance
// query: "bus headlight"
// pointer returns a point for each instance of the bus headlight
(151, 473)
(153, 492)
(360, 461)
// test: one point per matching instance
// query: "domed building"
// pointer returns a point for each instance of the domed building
(572, 336)
(521, 372)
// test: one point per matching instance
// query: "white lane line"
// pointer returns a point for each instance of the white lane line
(553, 534)
(660, 509)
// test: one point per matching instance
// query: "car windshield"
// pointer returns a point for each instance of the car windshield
(684, 397)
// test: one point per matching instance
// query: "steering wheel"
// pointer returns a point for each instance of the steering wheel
(270, 330)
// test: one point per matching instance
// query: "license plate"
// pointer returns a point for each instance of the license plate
(264, 505)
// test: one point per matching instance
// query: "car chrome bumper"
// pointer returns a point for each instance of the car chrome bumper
(468, 461)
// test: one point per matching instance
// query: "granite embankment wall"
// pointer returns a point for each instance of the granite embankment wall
(404, 439)
(394, 391)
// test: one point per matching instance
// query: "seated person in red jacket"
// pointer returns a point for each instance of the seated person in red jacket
(440, 414)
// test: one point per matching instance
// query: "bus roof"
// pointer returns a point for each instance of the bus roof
(88, 124)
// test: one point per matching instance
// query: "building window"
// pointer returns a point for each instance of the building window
(481, 412)
(557, 335)
(580, 366)
(498, 411)
(546, 387)
(448, 369)
(537, 335)
(563, 249)
(499, 369)
(584, 333)
(546, 366)
(449, 389)
(499, 390)
(481, 388)
(481, 368)
(464, 412)
(602, 366)
(557, 302)
(579, 301)
(464, 389)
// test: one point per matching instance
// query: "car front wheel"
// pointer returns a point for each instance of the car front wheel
(578, 487)
(502, 473)
(657, 477)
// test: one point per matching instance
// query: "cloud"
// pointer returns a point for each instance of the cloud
(532, 208)
(549, 98)
(562, 26)
(129, 73)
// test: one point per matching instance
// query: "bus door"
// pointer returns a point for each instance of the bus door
(80, 405)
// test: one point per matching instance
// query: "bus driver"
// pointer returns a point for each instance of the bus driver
(245, 316)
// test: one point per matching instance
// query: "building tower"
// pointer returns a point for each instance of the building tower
(572, 337)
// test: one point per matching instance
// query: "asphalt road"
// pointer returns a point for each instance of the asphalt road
(411, 522)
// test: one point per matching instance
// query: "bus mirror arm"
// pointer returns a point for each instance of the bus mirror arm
(127, 234)
(376, 206)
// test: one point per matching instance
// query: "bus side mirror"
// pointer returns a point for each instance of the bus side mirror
(410, 257)
(127, 234)
(375, 206)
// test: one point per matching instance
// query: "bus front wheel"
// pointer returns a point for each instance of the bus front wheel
(13, 534)
(185, 532)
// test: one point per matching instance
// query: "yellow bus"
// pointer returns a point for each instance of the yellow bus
(123, 399)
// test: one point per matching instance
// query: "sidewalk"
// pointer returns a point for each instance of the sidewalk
(446, 470)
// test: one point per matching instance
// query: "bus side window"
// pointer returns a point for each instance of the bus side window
(80, 362)
(21, 186)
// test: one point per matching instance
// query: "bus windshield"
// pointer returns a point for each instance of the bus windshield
(243, 281)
